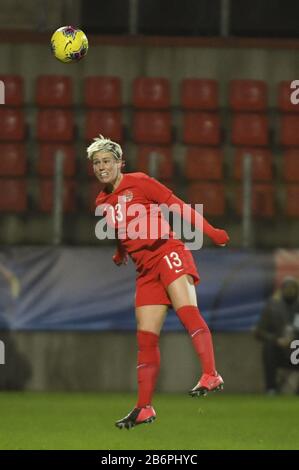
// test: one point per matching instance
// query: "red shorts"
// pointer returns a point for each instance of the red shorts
(173, 263)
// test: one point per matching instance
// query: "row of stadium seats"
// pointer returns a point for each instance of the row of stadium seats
(14, 197)
(150, 127)
(149, 93)
(198, 163)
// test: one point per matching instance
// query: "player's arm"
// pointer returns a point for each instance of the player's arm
(157, 192)
(217, 235)
(120, 256)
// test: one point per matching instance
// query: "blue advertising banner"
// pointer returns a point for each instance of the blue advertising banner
(46, 288)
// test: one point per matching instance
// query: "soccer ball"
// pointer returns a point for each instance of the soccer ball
(69, 44)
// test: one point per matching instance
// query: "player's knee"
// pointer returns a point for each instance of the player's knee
(147, 339)
(192, 319)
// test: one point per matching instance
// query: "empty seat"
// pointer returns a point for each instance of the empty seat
(248, 95)
(291, 206)
(200, 128)
(54, 91)
(151, 93)
(13, 195)
(155, 161)
(89, 169)
(211, 195)
(250, 129)
(102, 92)
(12, 159)
(13, 90)
(199, 94)
(262, 200)
(55, 125)
(284, 97)
(291, 165)
(204, 163)
(261, 163)
(12, 127)
(94, 189)
(46, 159)
(105, 122)
(46, 190)
(289, 130)
(152, 127)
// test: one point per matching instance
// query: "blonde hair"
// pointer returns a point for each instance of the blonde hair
(101, 144)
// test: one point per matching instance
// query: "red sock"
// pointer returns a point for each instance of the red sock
(200, 335)
(148, 366)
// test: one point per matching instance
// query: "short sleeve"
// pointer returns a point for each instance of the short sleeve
(154, 190)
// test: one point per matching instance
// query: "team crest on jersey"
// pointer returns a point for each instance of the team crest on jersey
(127, 196)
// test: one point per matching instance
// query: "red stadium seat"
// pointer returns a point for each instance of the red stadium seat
(46, 159)
(156, 161)
(12, 127)
(105, 122)
(13, 195)
(248, 95)
(199, 93)
(262, 200)
(14, 90)
(201, 128)
(291, 207)
(289, 130)
(211, 195)
(152, 127)
(12, 159)
(89, 169)
(291, 165)
(204, 163)
(284, 98)
(102, 92)
(54, 91)
(151, 93)
(261, 163)
(250, 129)
(46, 187)
(55, 125)
(94, 188)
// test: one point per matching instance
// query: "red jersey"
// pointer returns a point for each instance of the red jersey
(122, 213)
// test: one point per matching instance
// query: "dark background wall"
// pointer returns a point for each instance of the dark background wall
(272, 18)
(106, 361)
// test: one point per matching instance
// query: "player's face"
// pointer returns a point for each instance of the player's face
(106, 167)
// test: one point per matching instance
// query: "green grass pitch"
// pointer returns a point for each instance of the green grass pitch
(86, 421)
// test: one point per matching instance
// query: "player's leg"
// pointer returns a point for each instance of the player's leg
(150, 319)
(182, 294)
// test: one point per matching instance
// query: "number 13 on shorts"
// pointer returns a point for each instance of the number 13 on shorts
(174, 261)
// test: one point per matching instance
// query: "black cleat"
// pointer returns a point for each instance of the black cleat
(137, 416)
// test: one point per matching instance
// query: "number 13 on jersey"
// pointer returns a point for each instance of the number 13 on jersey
(173, 260)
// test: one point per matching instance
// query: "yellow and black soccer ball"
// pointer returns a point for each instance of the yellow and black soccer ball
(69, 44)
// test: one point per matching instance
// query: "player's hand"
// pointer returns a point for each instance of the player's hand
(120, 258)
(220, 237)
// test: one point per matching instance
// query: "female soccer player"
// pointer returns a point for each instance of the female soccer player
(166, 272)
